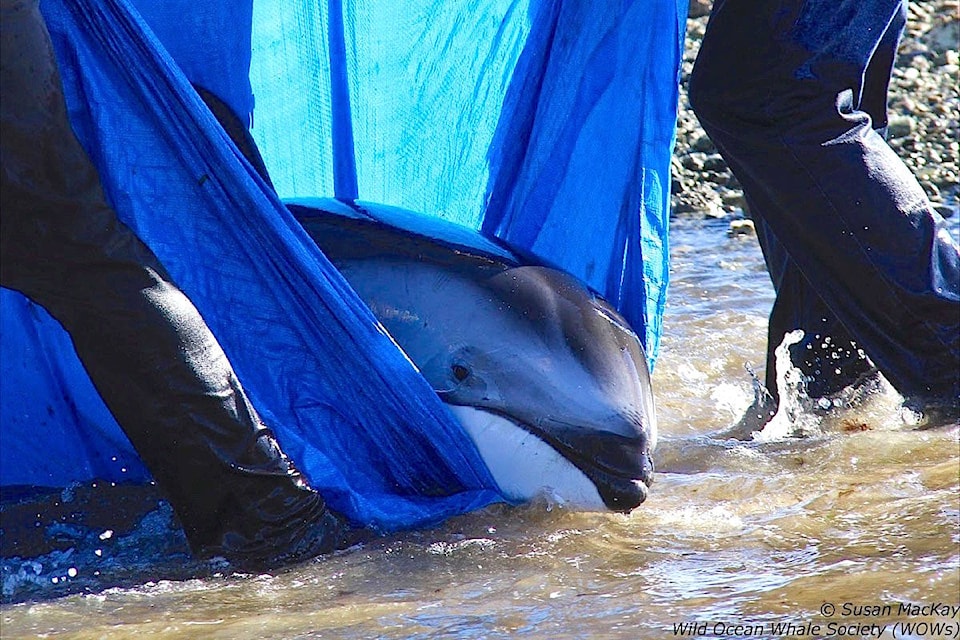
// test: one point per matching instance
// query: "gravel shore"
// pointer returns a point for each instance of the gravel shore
(924, 117)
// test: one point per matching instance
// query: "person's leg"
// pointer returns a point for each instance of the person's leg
(827, 356)
(148, 352)
(781, 88)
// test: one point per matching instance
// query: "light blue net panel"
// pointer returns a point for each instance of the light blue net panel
(547, 123)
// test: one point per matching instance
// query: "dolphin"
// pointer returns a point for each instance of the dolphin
(546, 377)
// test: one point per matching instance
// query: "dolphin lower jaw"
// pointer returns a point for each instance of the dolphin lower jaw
(593, 471)
(622, 480)
(523, 465)
(619, 494)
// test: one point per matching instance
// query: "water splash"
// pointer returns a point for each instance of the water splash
(793, 416)
(93, 558)
(731, 398)
(867, 404)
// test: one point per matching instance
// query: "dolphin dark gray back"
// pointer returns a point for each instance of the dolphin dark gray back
(351, 231)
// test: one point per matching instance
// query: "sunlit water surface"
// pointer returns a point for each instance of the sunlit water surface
(736, 536)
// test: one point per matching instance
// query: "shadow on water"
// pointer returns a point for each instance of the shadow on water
(88, 538)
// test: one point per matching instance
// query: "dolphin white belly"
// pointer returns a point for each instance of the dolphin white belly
(524, 466)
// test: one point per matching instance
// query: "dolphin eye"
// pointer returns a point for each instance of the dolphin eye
(460, 372)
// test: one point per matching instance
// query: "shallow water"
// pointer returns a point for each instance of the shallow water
(735, 537)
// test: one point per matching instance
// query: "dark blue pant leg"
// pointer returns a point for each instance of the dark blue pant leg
(827, 355)
(786, 91)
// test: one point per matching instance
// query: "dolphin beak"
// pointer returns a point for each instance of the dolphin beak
(622, 490)
(621, 467)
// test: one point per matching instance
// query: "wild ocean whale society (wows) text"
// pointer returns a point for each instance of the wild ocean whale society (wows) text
(778, 629)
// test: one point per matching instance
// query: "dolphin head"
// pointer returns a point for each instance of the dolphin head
(546, 377)
(551, 384)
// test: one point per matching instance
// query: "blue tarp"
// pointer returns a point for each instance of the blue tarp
(547, 123)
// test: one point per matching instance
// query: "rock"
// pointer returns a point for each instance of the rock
(910, 75)
(696, 199)
(920, 63)
(733, 200)
(945, 210)
(943, 37)
(911, 47)
(741, 228)
(918, 11)
(715, 177)
(695, 31)
(714, 162)
(901, 126)
(933, 192)
(700, 8)
(704, 144)
(714, 212)
(693, 161)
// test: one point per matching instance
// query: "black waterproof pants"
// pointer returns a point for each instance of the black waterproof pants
(149, 353)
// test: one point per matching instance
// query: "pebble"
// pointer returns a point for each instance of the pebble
(734, 200)
(714, 162)
(910, 73)
(920, 63)
(933, 192)
(700, 8)
(716, 177)
(945, 210)
(704, 144)
(714, 212)
(741, 228)
(693, 161)
(943, 37)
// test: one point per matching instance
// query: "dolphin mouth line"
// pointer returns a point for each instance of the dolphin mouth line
(620, 492)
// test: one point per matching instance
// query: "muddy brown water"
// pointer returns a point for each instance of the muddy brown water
(853, 531)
